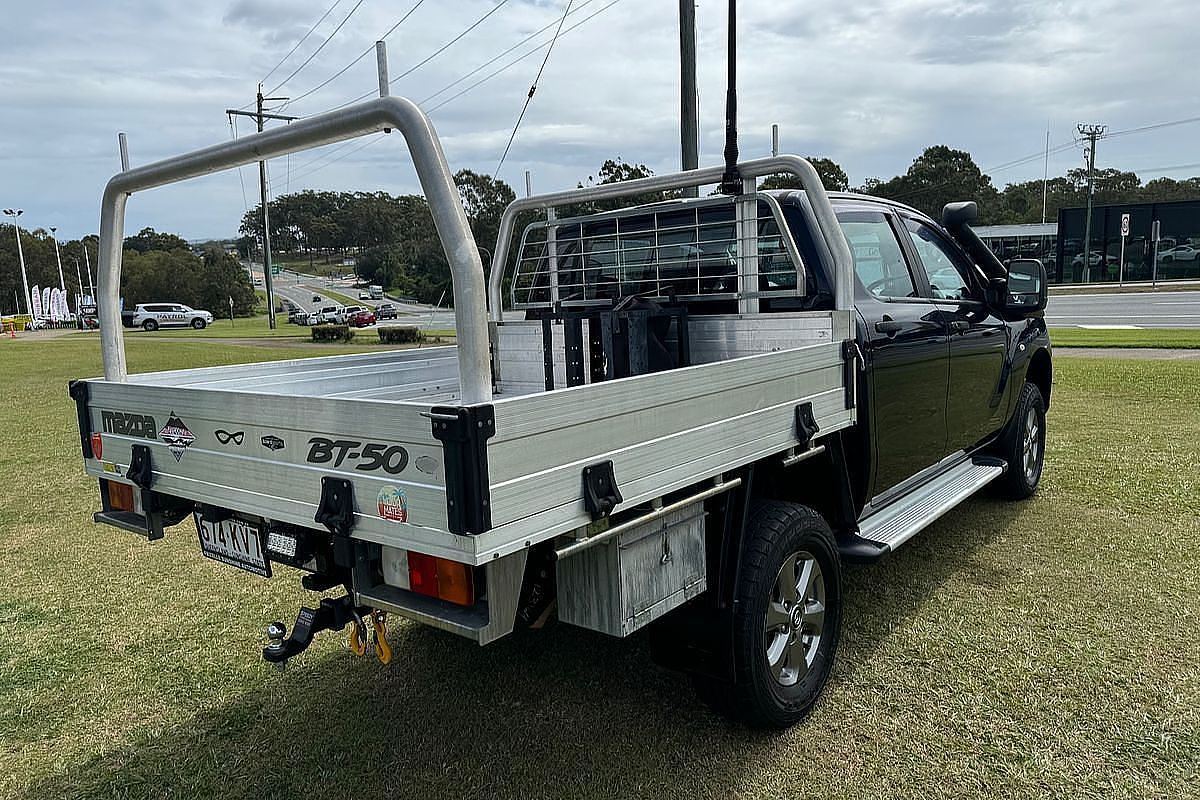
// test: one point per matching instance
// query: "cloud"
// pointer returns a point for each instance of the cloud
(868, 84)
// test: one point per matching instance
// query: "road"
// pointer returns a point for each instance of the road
(1111, 310)
(1128, 310)
(300, 289)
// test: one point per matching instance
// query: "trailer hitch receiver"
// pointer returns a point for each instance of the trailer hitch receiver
(331, 615)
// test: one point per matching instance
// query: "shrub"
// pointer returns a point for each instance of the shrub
(332, 333)
(400, 334)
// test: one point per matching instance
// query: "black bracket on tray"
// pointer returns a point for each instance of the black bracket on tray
(141, 467)
(336, 509)
(600, 491)
(463, 432)
(806, 424)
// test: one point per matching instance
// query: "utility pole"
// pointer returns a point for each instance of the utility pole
(259, 117)
(1091, 133)
(689, 115)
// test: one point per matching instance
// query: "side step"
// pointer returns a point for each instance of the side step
(905, 517)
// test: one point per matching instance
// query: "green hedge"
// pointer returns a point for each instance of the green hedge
(332, 333)
(400, 334)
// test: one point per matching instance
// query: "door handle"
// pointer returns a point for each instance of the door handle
(959, 326)
(889, 326)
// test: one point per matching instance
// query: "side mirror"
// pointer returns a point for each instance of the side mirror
(1025, 294)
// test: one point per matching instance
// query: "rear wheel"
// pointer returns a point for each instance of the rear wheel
(1024, 445)
(150, 325)
(788, 616)
(198, 324)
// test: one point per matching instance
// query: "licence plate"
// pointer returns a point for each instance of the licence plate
(234, 542)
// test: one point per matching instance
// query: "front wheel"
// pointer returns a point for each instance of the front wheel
(198, 324)
(787, 621)
(1024, 445)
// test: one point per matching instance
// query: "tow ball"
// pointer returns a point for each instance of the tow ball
(331, 615)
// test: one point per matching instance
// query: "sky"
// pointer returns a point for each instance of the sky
(868, 83)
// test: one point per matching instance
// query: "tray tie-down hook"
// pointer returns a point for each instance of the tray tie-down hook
(332, 614)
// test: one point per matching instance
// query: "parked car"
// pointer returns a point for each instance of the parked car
(152, 316)
(362, 319)
(325, 315)
(1183, 252)
(386, 311)
(348, 312)
(297, 316)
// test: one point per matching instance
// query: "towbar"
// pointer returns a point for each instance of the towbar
(831, 231)
(372, 116)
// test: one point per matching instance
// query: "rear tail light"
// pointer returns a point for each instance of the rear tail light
(120, 496)
(97, 446)
(447, 580)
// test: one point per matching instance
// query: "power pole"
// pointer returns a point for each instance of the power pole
(259, 116)
(689, 122)
(1091, 133)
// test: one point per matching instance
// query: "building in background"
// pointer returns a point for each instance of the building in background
(1060, 245)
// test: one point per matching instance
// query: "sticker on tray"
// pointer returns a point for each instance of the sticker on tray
(393, 504)
(176, 435)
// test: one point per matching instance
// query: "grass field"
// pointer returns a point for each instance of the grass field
(1044, 649)
(1145, 337)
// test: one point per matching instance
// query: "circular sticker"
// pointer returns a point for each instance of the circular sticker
(393, 504)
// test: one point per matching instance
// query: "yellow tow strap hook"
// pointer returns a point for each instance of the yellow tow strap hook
(358, 636)
(383, 650)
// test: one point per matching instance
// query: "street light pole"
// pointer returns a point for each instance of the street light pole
(62, 283)
(14, 213)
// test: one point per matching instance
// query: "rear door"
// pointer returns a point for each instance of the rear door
(978, 340)
(906, 350)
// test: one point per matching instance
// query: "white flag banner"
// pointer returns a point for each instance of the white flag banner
(35, 301)
(52, 311)
(45, 302)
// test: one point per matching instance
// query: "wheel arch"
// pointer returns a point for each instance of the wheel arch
(1041, 374)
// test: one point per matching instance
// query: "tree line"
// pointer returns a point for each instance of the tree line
(396, 245)
(156, 267)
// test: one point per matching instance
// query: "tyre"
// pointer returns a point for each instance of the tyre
(787, 620)
(198, 324)
(1023, 446)
(150, 325)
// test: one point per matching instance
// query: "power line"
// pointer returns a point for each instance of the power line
(1154, 127)
(510, 64)
(431, 56)
(1173, 168)
(496, 58)
(1058, 149)
(359, 58)
(302, 40)
(319, 49)
(532, 89)
(361, 146)
(448, 100)
(241, 180)
(998, 168)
